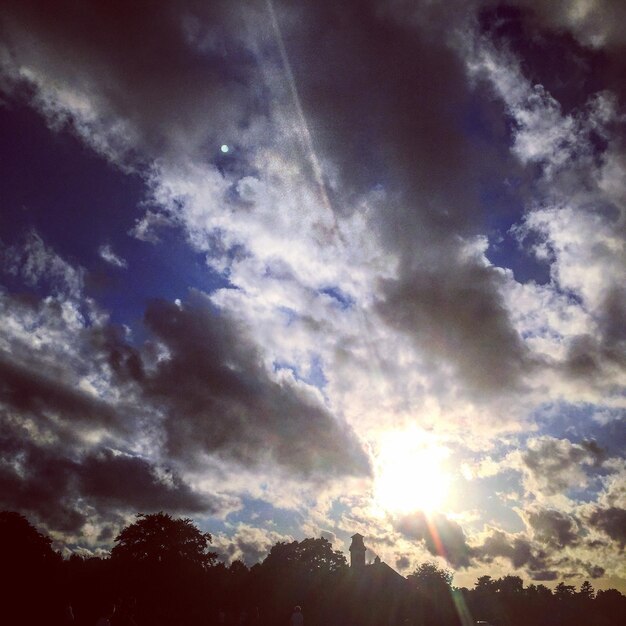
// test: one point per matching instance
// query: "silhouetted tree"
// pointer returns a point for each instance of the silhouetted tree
(21, 544)
(510, 585)
(432, 590)
(485, 584)
(162, 572)
(28, 568)
(430, 578)
(306, 573)
(164, 562)
(609, 607)
(586, 591)
(160, 538)
(309, 555)
(563, 592)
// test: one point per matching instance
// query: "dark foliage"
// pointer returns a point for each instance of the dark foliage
(159, 539)
(29, 568)
(161, 572)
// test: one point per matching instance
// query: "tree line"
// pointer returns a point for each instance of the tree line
(161, 571)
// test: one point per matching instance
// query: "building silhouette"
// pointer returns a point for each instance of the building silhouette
(375, 580)
(378, 570)
(357, 551)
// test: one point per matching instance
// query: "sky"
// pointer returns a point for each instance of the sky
(317, 268)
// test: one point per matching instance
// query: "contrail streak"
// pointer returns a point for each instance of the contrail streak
(304, 127)
(376, 362)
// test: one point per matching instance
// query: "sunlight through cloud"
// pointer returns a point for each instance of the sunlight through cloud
(410, 473)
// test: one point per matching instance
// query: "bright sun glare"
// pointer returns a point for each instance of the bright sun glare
(409, 473)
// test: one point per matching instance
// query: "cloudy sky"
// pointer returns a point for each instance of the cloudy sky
(311, 268)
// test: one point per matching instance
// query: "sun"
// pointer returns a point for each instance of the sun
(410, 472)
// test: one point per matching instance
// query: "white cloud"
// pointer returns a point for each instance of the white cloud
(107, 254)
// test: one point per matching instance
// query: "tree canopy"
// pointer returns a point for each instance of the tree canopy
(20, 542)
(309, 555)
(429, 577)
(160, 538)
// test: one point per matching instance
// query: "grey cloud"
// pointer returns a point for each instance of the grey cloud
(545, 575)
(590, 357)
(372, 80)
(54, 483)
(37, 264)
(613, 324)
(403, 562)
(187, 79)
(573, 567)
(35, 482)
(213, 390)
(213, 393)
(595, 571)
(556, 464)
(329, 535)
(109, 344)
(220, 398)
(403, 139)
(456, 313)
(133, 482)
(448, 535)
(553, 528)
(598, 28)
(517, 549)
(26, 390)
(611, 521)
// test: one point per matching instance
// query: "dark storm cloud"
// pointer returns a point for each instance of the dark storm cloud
(221, 399)
(51, 483)
(329, 535)
(37, 393)
(217, 399)
(568, 68)
(36, 264)
(545, 575)
(517, 549)
(590, 356)
(542, 562)
(556, 464)
(372, 88)
(130, 481)
(110, 345)
(213, 394)
(403, 562)
(612, 522)
(553, 528)
(174, 72)
(595, 571)
(441, 536)
(459, 316)
(613, 324)
(383, 95)
(34, 481)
